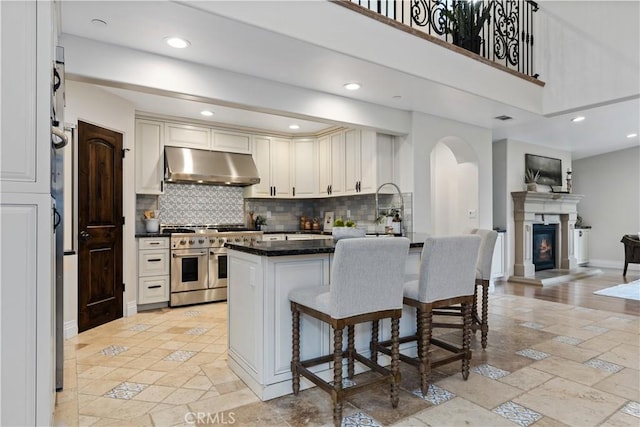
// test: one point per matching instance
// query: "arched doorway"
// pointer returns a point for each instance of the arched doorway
(454, 187)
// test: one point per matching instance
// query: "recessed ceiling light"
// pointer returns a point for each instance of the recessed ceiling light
(177, 42)
(99, 22)
(294, 127)
(632, 135)
(206, 113)
(352, 86)
(503, 117)
(396, 97)
(577, 119)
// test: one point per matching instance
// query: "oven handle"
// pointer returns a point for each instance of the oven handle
(188, 255)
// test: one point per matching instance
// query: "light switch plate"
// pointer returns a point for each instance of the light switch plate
(327, 225)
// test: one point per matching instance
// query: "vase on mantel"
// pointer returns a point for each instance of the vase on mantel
(532, 186)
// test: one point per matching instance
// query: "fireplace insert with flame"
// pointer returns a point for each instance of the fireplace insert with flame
(544, 243)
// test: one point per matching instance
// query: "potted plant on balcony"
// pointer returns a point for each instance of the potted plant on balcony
(531, 179)
(465, 20)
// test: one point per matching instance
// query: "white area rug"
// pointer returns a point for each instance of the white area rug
(629, 290)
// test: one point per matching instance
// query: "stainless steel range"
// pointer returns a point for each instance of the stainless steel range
(199, 261)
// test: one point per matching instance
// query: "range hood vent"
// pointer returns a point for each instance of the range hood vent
(209, 167)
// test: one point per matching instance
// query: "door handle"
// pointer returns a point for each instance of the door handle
(189, 255)
(84, 236)
(61, 135)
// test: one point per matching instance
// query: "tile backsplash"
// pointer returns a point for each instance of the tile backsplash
(213, 204)
(201, 204)
(285, 213)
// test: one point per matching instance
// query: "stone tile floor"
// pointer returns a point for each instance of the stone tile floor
(547, 364)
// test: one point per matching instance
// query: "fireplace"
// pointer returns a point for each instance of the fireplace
(536, 208)
(544, 246)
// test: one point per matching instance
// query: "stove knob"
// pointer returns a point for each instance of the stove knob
(201, 241)
(191, 241)
(237, 239)
(183, 242)
(221, 240)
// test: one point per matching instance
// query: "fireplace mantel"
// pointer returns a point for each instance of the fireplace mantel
(530, 207)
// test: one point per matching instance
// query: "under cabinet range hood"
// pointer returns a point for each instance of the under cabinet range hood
(209, 167)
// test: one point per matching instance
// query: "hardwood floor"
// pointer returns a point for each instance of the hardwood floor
(579, 292)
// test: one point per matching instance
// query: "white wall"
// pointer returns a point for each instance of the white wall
(455, 187)
(109, 63)
(508, 176)
(91, 104)
(469, 144)
(587, 52)
(611, 186)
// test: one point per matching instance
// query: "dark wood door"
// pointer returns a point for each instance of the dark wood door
(100, 284)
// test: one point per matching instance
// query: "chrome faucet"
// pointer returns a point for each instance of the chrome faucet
(387, 208)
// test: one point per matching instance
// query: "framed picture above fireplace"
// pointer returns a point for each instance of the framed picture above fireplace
(550, 169)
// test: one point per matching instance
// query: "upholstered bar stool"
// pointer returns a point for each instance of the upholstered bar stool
(365, 285)
(483, 278)
(447, 277)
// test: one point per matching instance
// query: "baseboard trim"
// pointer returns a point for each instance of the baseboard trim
(132, 308)
(70, 329)
(619, 265)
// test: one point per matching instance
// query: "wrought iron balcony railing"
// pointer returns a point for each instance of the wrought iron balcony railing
(504, 37)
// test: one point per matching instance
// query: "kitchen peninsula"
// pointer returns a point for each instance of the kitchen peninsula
(260, 277)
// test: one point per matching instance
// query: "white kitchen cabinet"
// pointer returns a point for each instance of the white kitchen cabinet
(498, 262)
(259, 318)
(352, 160)
(337, 164)
(273, 237)
(331, 165)
(26, 66)
(149, 154)
(304, 167)
(231, 142)
(27, 303)
(153, 270)
(368, 161)
(581, 245)
(187, 136)
(273, 160)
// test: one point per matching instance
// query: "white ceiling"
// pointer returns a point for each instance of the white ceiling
(228, 44)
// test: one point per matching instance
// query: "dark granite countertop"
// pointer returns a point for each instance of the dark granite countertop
(298, 232)
(304, 247)
(158, 234)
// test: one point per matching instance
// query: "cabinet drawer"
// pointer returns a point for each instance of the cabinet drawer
(153, 289)
(273, 237)
(153, 263)
(153, 243)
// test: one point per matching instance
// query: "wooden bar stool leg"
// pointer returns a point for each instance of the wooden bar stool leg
(295, 359)
(425, 318)
(466, 340)
(350, 351)
(419, 332)
(336, 394)
(485, 313)
(474, 310)
(375, 331)
(395, 361)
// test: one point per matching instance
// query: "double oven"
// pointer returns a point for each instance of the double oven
(199, 263)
